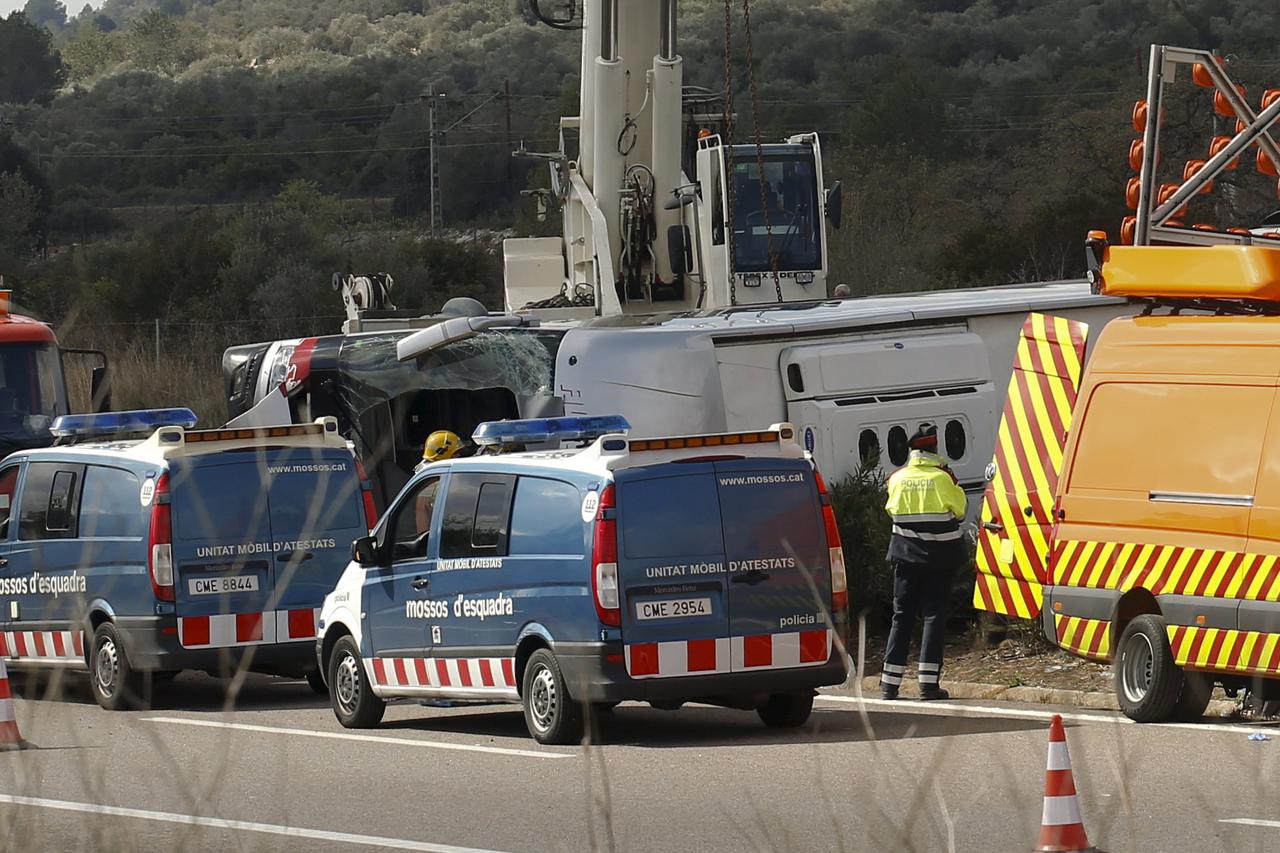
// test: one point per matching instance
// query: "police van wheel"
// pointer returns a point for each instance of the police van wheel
(550, 714)
(354, 703)
(316, 682)
(1147, 681)
(112, 678)
(786, 710)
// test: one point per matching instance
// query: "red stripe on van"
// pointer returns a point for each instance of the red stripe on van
(38, 636)
(59, 647)
(644, 659)
(402, 675)
(509, 671)
(379, 671)
(486, 673)
(195, 630)
(302, 624)
(702, 655)
(757, 650)
(813, 646)
(4, 646)
(248, 627)
(464, 672)
(442, 672)
(420, 666)
(77, 642)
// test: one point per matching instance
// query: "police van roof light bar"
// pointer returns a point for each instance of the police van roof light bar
(538, 430)
(69, 428)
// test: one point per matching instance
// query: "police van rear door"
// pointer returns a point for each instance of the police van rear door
(224, 565)
(779, 573)
(316, 512)
(671, 571)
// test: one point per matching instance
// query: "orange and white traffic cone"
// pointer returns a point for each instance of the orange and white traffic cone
(1061, 829)
(10, 738)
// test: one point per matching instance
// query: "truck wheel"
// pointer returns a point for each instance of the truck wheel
(1147, 681)
(549, 712)
(1197, 688)
(786, 710)
(354, 703)
(316, 682)
(116, 685)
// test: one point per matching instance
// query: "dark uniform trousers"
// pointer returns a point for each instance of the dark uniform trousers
(918, 589)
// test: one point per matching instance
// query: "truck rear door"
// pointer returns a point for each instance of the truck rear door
(671, 571)
(779, 573)
(224, 568)
(316, 512)
(1017, 509)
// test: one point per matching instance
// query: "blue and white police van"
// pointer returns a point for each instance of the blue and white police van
(138, 545)
(698, 568)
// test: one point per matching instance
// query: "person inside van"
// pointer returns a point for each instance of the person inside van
(926, 505)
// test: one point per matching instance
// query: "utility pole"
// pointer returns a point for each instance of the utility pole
(433, 127)
(511, 181)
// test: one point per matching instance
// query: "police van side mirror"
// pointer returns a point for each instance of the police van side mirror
(365, 551)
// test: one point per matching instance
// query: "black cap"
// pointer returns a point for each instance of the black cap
(925, 438)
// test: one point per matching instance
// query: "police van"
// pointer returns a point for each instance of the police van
(139, 545)
(665, 570)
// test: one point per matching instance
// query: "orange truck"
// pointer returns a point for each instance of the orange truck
(1134, 500)
(33, 386)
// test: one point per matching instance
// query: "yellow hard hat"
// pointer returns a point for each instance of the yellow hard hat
(441, 444)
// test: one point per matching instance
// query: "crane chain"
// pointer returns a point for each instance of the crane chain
(728, 145)
(583, 297)
(755, 127)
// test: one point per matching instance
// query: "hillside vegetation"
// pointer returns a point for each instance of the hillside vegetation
(977, 141)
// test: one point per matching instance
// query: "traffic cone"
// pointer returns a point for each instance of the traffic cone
(10, 738)
(1061, 830)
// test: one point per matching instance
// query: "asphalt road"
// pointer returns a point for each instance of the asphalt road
(279, 772)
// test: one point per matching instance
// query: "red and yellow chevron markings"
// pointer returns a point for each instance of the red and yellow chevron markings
(1220, 649)
(1013, 545)
(1165, 570)
(1089, 638)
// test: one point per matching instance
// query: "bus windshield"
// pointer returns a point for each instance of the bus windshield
(779, 214)
(32, 393)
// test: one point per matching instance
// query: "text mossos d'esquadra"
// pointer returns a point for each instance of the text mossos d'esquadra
(462, 607)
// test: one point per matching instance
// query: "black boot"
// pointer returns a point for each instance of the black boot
(929, 694)
(888, 691)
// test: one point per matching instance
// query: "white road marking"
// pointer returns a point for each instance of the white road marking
(1252, 821)
(240, 825)
(393, 741)
(909, 706)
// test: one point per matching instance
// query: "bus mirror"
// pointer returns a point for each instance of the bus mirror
(100, 389)
(678, 249)
(835, 199)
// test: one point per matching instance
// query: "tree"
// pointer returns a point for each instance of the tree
(19, 220)
(30, 69)
(50, 14)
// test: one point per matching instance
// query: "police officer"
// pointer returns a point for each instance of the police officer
(927, 506)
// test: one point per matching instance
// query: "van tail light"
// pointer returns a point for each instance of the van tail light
(604, 562)
(366, 494)
(839, 579)
(160, 542)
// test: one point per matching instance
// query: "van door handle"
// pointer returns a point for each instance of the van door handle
(4, 561)
(752, 577)
(993, 526)
(419, 583)
(286, 556)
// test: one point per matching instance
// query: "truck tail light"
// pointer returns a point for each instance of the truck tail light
(160, 542)
(839, 580)
(366, 494)
(604, 561)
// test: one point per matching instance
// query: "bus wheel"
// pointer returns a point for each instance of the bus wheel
(354, 703)
(1147, 681)
(549, 712)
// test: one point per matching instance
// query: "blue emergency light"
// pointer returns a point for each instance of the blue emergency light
(539, 430)
(114, 424)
